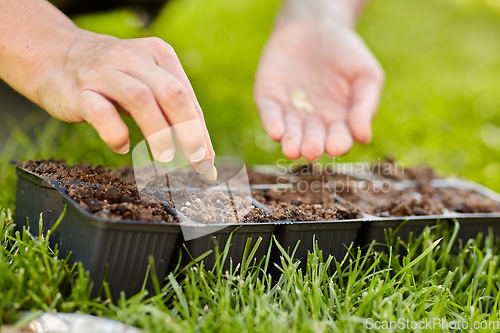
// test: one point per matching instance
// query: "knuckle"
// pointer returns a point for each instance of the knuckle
(156, 41)
(173, 92)
(99, 112)
(138, 94)
(160, 45)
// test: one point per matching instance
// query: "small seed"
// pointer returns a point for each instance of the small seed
(300, 101)
(212, 175)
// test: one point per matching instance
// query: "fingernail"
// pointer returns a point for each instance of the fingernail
(124, 149)
(212, 175)
(167, 155)
(198, 155)
(205, 166)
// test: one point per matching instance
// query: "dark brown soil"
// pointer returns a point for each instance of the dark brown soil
(119, 202)
(262, 178)
(389, 169)
(117, 199)
(125, 173)
(464, 201)
(378, 198)
(305, 206)
(83, 172)
(293, 196)
(311, 199)
(217, 207)
(408, 205)
(191, 178)
(314, 212)
(363, 195)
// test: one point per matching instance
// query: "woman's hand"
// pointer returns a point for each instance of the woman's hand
(342, 80)
(142, 78)
(79, 76)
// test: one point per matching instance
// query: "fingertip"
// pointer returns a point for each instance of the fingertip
(271, 115)
(292, 157)
(367, 138)
(336, 146)
(312, 150)
(119, 144)
(311, 158)
(291, 150)
(276, 132)
(124, 149)
(361, 132)
(366, 100)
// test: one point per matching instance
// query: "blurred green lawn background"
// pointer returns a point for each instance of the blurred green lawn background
(439, 106)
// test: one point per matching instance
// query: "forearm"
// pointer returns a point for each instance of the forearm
(33, 36)
(345, 12)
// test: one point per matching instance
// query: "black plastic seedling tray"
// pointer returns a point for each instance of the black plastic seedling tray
(115, 251)
(34, 197)
(239, 234)
(118, 250)
(333, 238)
(380, 229)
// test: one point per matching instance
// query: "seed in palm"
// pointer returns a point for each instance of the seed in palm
(301, 102)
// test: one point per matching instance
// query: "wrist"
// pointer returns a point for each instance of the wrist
(322, 12)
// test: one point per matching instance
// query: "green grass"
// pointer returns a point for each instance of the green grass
(439, 107)
(423, 279)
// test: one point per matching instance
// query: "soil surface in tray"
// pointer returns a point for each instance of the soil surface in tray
(83, 172)
(215, 207)
(305, 206)
(382, 196)
(385, 199)
(315, 196)
(118, 201)
(118, 198)
(92, 174)
(357, 196)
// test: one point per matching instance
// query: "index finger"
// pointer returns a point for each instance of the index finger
(173, 98)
